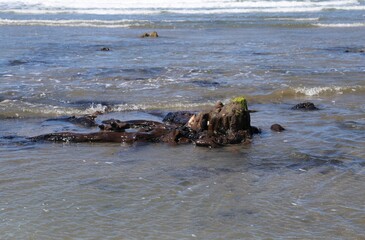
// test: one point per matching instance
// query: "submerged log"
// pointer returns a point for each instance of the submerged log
(87, 121)
(104, 136)
(222, 125)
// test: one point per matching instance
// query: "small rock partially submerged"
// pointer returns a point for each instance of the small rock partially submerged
(307, 106)
(355, 50)
(153, 34)
(277, 128)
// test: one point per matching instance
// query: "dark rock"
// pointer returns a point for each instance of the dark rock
(205, 83)
(17, 62)
(255, 130)
(210, 142)
(355, 50)
(114, 125)
(181, 117)
(277, 128)
(119, 126)
(86, 121)
(307, 106)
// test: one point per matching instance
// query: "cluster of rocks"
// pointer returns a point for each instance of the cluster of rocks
(221, 125)
(306, 106)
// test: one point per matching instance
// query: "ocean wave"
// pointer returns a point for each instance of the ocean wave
(161, 106)
(319, 91)
(129, 23)
(23, 109)
(75, 23)
(289, 93)
(125, 23)
(340, 25)
(131, 7)
(293, 19)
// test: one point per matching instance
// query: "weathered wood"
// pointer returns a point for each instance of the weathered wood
(222, 125)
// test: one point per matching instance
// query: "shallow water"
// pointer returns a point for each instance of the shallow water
(304, 183)
(159, 192)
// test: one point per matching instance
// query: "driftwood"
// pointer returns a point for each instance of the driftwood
(222, 125)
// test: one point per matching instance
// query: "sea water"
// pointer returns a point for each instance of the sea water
(304, 183)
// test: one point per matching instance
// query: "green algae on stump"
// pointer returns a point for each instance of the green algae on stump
(242, 101)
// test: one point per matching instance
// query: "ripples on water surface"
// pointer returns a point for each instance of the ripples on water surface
(304, 183)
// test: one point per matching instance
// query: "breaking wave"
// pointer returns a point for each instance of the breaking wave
(22, 109)
(76, 23)
(143, 7)
(130, 23)
(319, 91)
(300, 92)
(340, 25)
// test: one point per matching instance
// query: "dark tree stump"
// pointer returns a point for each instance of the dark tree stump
(222, 125)
(226, 124)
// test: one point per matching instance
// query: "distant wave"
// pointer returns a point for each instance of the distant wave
(23, 109)
(295, 92)
(340, 25)
(293, 19)
(129, 23)
(318, 91)
(130, 7)
(75, 23)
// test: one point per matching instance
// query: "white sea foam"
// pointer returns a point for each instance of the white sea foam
(178, 6)
(75, 23)
(23, 109)
(340, 25)
(150, 7)
(160, 105)
(317, 91)
(293, 19)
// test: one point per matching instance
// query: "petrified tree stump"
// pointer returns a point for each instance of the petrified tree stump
(223, 124)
